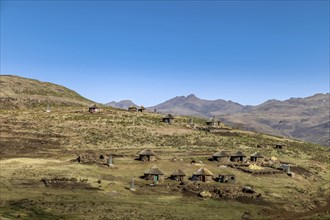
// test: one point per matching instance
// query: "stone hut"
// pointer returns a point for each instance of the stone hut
(221, 156)
(256, 157)
(154, 174)
(178, 175)
(141, 109)
(93, 108)
(227, 178)
(168, 118)
(279, 146)
(132, 108)
(147, 155)
(211, 122)
(238, 157)
(202, 174)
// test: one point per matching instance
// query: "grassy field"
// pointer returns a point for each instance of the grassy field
(36, 145)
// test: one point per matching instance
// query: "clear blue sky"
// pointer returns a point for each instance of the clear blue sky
(150, 51)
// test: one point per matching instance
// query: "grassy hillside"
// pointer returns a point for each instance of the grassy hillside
(19, 92)
(36, 145)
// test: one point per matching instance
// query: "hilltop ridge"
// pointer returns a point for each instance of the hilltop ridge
(20, 92)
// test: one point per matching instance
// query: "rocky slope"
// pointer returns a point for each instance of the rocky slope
(302, 118)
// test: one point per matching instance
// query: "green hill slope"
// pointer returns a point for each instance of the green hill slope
(19, 92)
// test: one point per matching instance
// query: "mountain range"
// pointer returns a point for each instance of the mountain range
(301, 118)
(124, 104)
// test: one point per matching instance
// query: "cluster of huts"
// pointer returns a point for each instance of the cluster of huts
(226, 157)
(136, 109)
(202, 174)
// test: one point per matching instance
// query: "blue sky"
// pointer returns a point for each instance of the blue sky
(151, 51)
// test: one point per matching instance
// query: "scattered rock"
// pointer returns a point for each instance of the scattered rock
(205, 194)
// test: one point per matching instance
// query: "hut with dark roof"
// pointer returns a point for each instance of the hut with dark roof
(238, 157)
(168, 118)
(93, 108)
(256, 157)
(221, 156)
(132, 108)
(141, 109)
(202, 174)
(154, 174)
(178, 175)
(279, 146)
(147, 155)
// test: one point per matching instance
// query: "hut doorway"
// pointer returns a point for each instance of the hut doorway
(156, 178)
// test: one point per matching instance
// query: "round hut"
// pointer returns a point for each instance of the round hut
(141, 109)
(93, 108)
(168, 118)
(178, 175)
(132, 108)
(238, 157)
(221, 156)
(211, 122)
(147, 155)
(202, 174)
(257, 157)
(154, 174)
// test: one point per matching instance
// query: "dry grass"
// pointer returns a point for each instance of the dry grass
(37, 145)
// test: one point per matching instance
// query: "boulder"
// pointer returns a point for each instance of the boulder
(205, 194)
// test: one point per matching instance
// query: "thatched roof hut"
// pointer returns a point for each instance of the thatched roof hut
(141, 109)
(93, 108)
(256, 157)
(132, 108)
(147, 155)
(154, 173)
(202, 174)
(168, 118)
(279, 146)
(221, 156)
(178, 175)
(211, 121)
(238, 157)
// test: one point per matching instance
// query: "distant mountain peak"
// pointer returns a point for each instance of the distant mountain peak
(192, 105)
(192, 96)
(124, 104)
